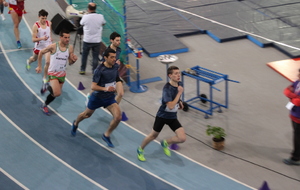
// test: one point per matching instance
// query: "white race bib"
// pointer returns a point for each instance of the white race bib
(113, 84)
(175, 109)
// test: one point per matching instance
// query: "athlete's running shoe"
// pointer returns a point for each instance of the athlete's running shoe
(74, 129)
(45, 110)
(82, 72)
(165, 146)
(44, 87)
(107, 140)
(87, 98)
(28, 65)
(140, 154)
(19, 44)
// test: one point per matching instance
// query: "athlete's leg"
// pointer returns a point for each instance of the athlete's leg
(1, 10)
(114, 109)
(33, 58)
(55, 91)
(16, 20)
(83, 115)
(1, 7)
(153, 135)
(56, 87)
(120, 91)
(179, 138)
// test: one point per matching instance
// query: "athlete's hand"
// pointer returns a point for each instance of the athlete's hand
(38, 69)
(110, 89)
(45, 38)
(5, 4)
(72, 59)
(180, 89)
(181, 105)
(118, 62)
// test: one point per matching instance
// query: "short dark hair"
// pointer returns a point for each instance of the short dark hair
(63, 31)
(108, 51)
(171, 68)
(92, 6)
(43, 13)
(114, 35)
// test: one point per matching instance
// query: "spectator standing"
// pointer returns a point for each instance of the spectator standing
(92, 34)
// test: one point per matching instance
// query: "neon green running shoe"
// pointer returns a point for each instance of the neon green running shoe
(28, 65)
(140, 154)
(165, 146)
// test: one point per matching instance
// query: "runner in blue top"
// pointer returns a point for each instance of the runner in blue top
(167, 114)
(104, 87)
(115, 40)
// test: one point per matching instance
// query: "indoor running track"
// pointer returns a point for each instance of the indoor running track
(38, 152)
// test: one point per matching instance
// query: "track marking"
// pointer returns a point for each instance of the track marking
(12, 178)
(50, 153)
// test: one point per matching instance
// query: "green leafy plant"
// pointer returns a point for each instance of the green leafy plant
(217, 132)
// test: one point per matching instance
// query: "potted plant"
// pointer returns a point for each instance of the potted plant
(218, 134)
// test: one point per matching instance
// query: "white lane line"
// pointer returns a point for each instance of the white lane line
(30, 138)
(13, 50)
(12, 178)
(219, 23)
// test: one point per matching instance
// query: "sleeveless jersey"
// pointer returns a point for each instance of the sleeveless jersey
(58, 62)
(41, 33)
(12, 2)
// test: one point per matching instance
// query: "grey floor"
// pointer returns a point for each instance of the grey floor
(259, 132)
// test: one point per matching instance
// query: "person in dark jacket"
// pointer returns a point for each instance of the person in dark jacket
(293, 93)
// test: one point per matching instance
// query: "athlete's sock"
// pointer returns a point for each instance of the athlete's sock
(49, 99)
(50, 89)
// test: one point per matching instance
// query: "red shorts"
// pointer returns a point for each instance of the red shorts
(36, 51)
(19, 8)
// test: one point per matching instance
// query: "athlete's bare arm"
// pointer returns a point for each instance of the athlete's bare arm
(34, 34)
(50, 26)
(72, 57)
(51, 48)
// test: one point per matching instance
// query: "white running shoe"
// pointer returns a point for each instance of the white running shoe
(2, 15)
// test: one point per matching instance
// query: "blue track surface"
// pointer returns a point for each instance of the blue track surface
(61, 161)
(9, 184)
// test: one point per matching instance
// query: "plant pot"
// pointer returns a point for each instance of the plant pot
(218, 144)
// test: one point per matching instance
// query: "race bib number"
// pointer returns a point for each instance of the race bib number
(113, 84)
(61, 67)
(175, 109)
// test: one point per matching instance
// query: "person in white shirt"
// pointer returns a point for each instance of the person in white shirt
(92, 33)
(41, 36)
